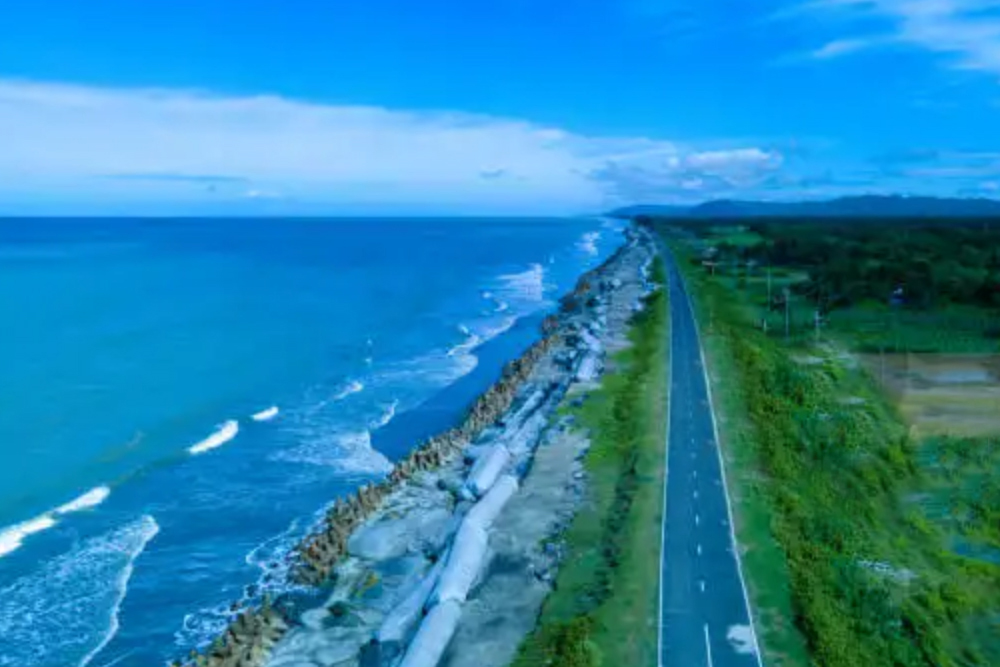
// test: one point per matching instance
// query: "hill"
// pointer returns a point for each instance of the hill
(868, 206)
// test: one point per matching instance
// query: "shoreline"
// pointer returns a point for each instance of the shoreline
(395, 549)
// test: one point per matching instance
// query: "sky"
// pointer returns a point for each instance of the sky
(495, 107)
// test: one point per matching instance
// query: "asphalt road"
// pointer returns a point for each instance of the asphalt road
(704, 615)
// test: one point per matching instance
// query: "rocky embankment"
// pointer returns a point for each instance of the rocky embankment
(448, 559)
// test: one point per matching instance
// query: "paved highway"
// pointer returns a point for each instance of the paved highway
(705, 619)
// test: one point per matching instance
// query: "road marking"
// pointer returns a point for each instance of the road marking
(695, 474)
(697, 519)
(708, 647)
(696, 495)
(702, 585)
(699, 549)
(725, 489)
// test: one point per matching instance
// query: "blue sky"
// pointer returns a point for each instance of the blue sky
(509, 106)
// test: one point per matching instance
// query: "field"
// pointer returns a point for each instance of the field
(942, 394)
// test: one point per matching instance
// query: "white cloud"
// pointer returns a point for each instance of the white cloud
(140, 144)
(967, 32)
(840, 47)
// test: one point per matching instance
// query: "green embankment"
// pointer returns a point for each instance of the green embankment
(823, 476)
(604, 608)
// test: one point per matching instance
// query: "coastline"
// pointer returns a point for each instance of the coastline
(376, 556)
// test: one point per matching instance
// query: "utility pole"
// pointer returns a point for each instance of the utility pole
(769, 287)
(788, 300)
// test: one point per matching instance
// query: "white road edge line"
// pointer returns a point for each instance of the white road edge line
(708, 647)
(725, 486)
(666, 455)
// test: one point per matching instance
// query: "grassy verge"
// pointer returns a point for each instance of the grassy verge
(823, 466)
(604, 608)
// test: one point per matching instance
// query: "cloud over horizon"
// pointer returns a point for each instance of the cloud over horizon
(133, 144)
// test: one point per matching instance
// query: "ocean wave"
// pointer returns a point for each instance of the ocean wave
(66, 612)
(499, 305)
(12, 537)
(265, 415)
(224, 434)
(527, 285)
(349, 453)
(272, 558)
(385, 417)
(467, 345)
(90, 499)
(588, 243)
(353, 387)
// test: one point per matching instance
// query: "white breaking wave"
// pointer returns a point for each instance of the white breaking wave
(90, 499)
(12, 537)
(352, 387)
(265, 415)
(499, 306)
(226, 432)
(385, 417)
(66, 612)
(348, 452)
(470, 342)
(588, 243)
(527, 285)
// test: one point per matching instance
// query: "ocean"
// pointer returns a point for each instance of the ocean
(181, 399)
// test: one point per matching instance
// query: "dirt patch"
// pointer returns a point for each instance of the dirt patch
(942, 394)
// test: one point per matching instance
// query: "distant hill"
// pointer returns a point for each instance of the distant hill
(844, 207)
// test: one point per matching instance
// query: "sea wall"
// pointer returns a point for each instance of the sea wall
(400, 557)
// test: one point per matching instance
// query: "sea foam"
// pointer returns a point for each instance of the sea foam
(265, 415)
(90, 499)
(385, 417)
(12, 537)
(66, 611)
(346, 452)
(588, 243)
(353, 387)
(528, 285)
(226, 432)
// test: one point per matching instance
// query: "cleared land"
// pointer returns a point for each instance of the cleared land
(942, 394)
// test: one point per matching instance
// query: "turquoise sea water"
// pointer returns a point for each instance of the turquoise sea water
(179, 399)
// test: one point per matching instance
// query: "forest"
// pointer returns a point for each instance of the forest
(919, 264)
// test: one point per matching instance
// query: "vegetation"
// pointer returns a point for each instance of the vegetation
(918, 285)
(835, 479)
(604, 608)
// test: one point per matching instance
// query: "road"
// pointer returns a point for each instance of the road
(705, 619)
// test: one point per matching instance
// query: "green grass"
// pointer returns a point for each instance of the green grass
(604, 608)
(822, 488)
